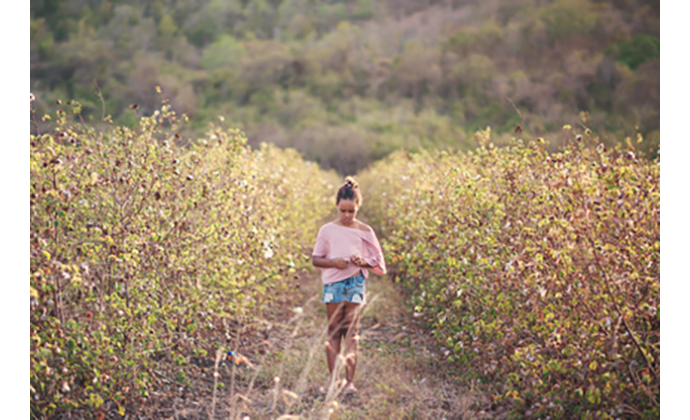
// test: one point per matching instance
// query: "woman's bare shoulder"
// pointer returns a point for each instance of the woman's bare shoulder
(364, 227)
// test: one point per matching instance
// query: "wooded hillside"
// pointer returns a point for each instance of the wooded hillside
(382, 75)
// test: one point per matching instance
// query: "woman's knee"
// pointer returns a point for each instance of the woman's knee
(333, 330)
(335, 313)
(351, 321)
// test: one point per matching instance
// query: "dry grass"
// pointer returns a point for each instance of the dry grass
(398, 374)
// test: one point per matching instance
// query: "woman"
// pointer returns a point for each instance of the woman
(345, 249)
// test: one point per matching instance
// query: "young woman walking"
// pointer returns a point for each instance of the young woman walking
(345, 249)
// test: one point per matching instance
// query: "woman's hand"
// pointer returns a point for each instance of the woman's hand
(340, 263)
(358, 260)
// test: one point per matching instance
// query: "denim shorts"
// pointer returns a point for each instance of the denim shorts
(349, 290)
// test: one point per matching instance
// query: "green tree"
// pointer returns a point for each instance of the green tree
(635, 51)
(567, 18)
(167, 27)
(225, 52)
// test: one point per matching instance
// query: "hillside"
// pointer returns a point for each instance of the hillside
(381, 75)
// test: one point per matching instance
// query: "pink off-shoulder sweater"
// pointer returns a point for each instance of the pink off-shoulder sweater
(337, 241)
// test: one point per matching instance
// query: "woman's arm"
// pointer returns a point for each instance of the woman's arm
(373, 254)
(323, 262)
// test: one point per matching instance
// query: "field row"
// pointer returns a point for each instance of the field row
(538, 272)
(144, 249)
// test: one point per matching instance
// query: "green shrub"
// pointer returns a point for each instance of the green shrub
(141, 248)
(537, 272)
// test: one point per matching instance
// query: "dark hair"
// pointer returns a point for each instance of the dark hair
(349, 191)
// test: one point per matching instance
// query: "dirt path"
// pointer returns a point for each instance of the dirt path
(398, 375)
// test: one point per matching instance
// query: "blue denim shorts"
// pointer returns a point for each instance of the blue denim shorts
(349, 290)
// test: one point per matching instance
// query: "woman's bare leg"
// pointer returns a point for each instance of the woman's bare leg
(350, 330)
(335, 313)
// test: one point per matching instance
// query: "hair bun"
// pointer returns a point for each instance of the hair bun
(350, 183)
(349, 191)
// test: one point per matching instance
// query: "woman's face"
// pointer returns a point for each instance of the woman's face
(347, 210)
